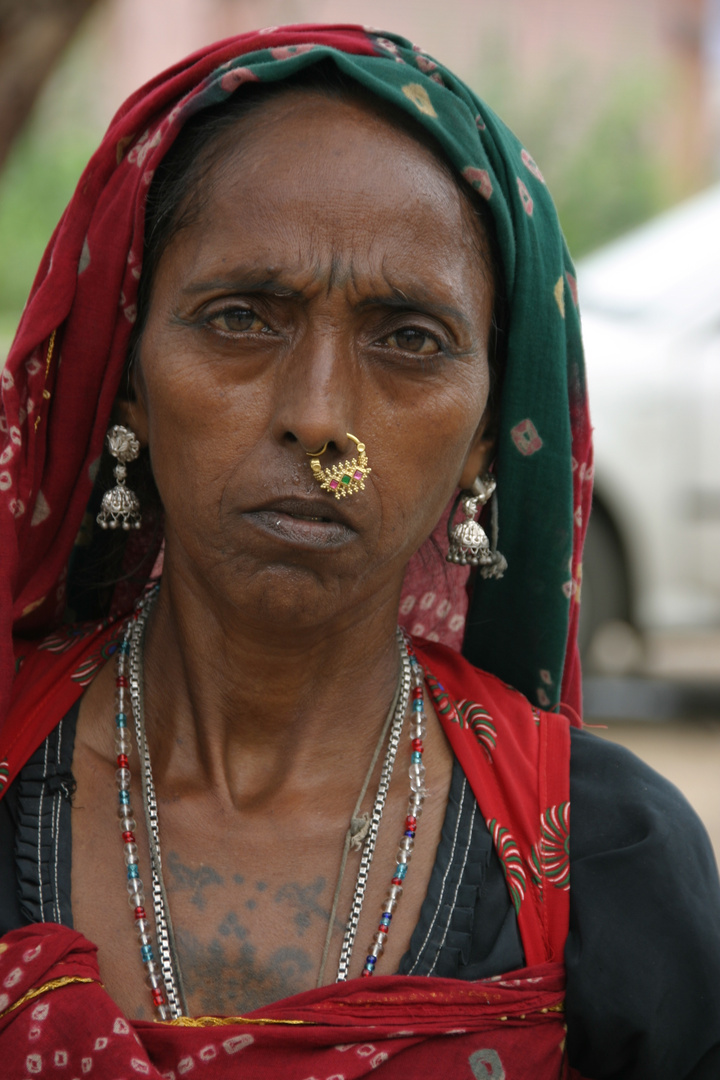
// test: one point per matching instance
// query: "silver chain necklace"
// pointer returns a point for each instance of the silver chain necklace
(169, 963)
(163, 925)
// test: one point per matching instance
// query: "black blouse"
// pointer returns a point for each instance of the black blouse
(643, 950)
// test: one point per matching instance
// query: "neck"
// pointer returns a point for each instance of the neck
(252, 711)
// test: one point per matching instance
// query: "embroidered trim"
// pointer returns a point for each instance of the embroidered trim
(46, 393)
(54, 984)
(221, 1021)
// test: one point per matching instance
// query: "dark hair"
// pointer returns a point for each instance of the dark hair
(178, 192)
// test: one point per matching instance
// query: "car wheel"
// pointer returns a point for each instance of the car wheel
(609, 642)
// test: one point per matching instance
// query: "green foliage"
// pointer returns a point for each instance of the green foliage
(34, 190)
(595, 143)
(613, 179)
(42, 171)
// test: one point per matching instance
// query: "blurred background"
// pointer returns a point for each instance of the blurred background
(619, 103)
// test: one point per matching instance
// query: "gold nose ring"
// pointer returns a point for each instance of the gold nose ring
(318, 453)
(346, 478)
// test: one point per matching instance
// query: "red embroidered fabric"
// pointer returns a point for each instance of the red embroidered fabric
(388, 1026)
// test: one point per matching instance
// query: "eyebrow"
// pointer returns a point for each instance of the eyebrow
(404, 301)
(243, 282)
(398, 299)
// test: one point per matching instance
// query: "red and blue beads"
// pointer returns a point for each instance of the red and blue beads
(128, 824)
(418, 731)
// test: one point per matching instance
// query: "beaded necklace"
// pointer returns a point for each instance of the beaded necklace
(415, 805)
(128, 824)
(163, 979)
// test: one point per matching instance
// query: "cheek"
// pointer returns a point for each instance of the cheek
(200, 429)
(429, 447)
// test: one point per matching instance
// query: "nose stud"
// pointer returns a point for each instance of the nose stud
(348, 477)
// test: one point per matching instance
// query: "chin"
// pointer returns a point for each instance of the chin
(280, 594)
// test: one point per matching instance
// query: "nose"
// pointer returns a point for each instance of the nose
(316, 397)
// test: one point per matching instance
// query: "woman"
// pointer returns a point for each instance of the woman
(318, 288)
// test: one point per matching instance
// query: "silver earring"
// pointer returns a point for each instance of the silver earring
(120, 506)
(468, 544)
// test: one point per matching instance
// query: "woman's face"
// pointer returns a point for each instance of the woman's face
(331, 283)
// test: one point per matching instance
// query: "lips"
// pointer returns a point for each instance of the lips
(308, 522)
(313, 509)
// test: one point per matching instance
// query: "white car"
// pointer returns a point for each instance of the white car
(650, 307)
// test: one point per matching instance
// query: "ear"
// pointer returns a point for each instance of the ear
(480, 456)
(133, 414)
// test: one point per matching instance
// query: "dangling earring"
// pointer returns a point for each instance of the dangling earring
(120, 506)
(468, 544)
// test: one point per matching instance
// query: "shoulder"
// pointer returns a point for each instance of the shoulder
(643, 950)
(618, 801)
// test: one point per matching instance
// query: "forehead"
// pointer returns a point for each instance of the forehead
(324, 172)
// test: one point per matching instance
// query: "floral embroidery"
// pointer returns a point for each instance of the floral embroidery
(551, 853)
(425, 64)
(480, 723)
(525, 198)
(232, 79)
(41, 512)
(286, 52)
(510, 860)
(144, 145)
(443, 702)
(480, 180)
(389, 47)
(526, 438)
(420, 98)
(530, 164)
(68, 636)
(86, 672)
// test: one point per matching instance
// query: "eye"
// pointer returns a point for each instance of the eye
(412, 339)
(237, 320)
